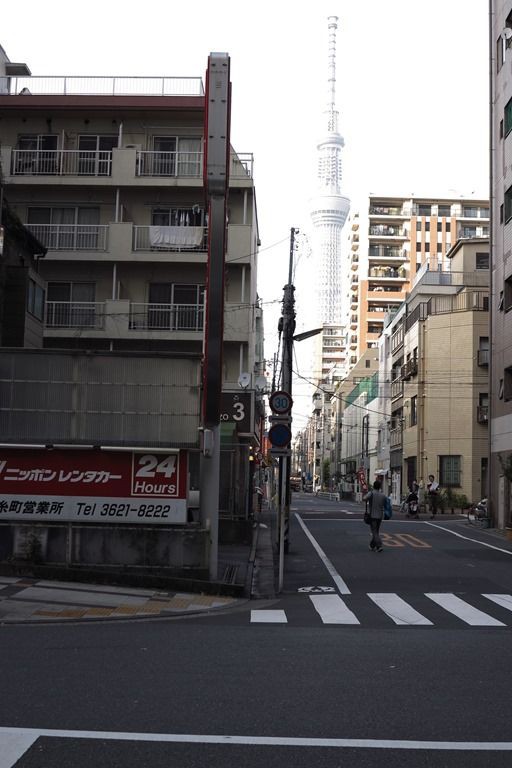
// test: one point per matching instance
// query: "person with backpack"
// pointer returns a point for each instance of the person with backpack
(378, 508)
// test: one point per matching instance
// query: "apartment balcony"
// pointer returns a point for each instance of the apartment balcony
(482, 414)
(397, 389)
(353, 322)
(124, 241)
(409, 369)
(483, 357)
(387, 231)
(129, 320)
(71, 237)
(386, 252)
(387, 273)
(465, 232)
(73, 315)
(156, 238)
(395, 437)
(124, 166)
(386, 210)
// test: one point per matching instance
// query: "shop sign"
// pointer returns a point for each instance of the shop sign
(93, 486)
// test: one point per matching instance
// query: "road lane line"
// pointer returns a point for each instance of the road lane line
(397, 609)
(505, 601)
(333, 610)
(264, 741)
(475, 541)
(13, 745)
(463, 610)
(343, 589)
(263, 616)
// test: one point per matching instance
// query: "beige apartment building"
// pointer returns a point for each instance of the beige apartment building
(397, 237)
(500, 391)
(438, 345)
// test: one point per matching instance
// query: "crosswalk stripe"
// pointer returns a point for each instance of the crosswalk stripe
(463, 610)
(505, 601)
(333, 610)
(268, 617)
(397, 609)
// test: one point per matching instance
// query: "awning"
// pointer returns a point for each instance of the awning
(381, 471)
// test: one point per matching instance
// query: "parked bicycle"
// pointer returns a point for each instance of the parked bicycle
(478, 514)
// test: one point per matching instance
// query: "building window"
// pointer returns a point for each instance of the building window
(449, 471)
(501, 213)
(501, 129)
(424, 210)
(443, 210)
(508, 117)
(507, 383)
(507, 294)
(500, 390)
(500, 53)
(35, 302)
(508, 204)
(414, 410)
(482, 261)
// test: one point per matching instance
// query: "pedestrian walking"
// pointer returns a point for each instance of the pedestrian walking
(376, 501)
(433, 495)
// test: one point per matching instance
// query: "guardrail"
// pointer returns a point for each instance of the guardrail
(166, 317)
(61, 162)
(71, 237)
(101, 86)
(328, 496)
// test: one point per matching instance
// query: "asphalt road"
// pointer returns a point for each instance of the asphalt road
(366, 659)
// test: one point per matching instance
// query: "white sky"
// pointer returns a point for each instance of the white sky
(412, 92)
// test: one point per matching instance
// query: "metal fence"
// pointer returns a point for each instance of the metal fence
(75, 314)
(71, 237)
(166, 317)
(61, 162)
(102, 86)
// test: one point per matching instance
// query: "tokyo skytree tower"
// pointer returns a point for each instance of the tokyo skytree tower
(329, 207)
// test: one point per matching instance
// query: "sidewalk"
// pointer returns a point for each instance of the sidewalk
(248, 568)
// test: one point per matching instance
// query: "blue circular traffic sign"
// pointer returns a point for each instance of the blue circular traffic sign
(280, 435)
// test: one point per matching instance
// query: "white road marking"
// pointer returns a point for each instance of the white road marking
(504, 600)
(261, 741)
(475, 541)
(268, 617)
(333, 610)
(397, 609)
(344, 590)
(13, 745)
(463, 610)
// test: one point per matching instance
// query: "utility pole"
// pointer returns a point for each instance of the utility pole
(216, 178)
(287, 363)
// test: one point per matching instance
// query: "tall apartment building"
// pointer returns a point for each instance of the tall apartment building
(329, 210)
(435, 351)
(398, 235)
(107, 173)
(500, 495)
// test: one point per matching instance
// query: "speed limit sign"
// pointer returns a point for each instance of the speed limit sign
(280, 402)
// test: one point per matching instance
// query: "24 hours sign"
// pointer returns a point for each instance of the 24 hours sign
(93, 486)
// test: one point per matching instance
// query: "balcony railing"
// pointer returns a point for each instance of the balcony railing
(61, 162)
(395, 437)
(385, 252)
(188, 164)
(387, 231)
(75, 314)
(163, 238)
(71, 237)
(482, 414)
(387, 272)
(166, 317)
(102, 86)
(170, 164)
(397, 388)
(409, 369)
